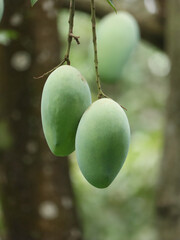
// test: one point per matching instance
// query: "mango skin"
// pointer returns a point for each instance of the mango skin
(66, 95)
(118, 36)
(1, 8)
(102, 142)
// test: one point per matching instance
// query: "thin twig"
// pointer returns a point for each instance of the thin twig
(50, 71)
(76, 38)
(93, 20)
(70, 37)
(71, 24)
(123, 107)
(98, 81)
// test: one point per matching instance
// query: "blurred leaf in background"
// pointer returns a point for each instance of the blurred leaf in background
(33, 2)
(111, 4)
(6, 36)
(2, 225)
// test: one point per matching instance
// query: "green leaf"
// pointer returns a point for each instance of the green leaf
(111, 4)
(33, 2)
(6, 36)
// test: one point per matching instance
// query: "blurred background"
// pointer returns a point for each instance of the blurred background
(44, 197)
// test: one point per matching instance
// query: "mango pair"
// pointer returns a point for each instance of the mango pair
(99, 132)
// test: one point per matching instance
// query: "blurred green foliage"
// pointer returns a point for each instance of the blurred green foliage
(6, 138)
(2, 226)
(126, 209)
(6, 36)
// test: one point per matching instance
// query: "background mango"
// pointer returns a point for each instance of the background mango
(117, 35)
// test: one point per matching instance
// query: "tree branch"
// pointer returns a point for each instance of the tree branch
(93, 20)
(69, 40)
(71, 24)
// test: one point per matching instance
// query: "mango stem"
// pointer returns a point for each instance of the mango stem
(93, 20)
(70, 37)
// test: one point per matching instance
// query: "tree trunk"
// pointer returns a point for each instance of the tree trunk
(168, 206)
(37, 195)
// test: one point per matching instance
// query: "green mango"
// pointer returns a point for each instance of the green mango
(66, 96)
(1, 8)
(102, 142)
(117, 35)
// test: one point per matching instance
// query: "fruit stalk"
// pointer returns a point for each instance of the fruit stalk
(71, 24)
(93, 20)
(70, 37)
